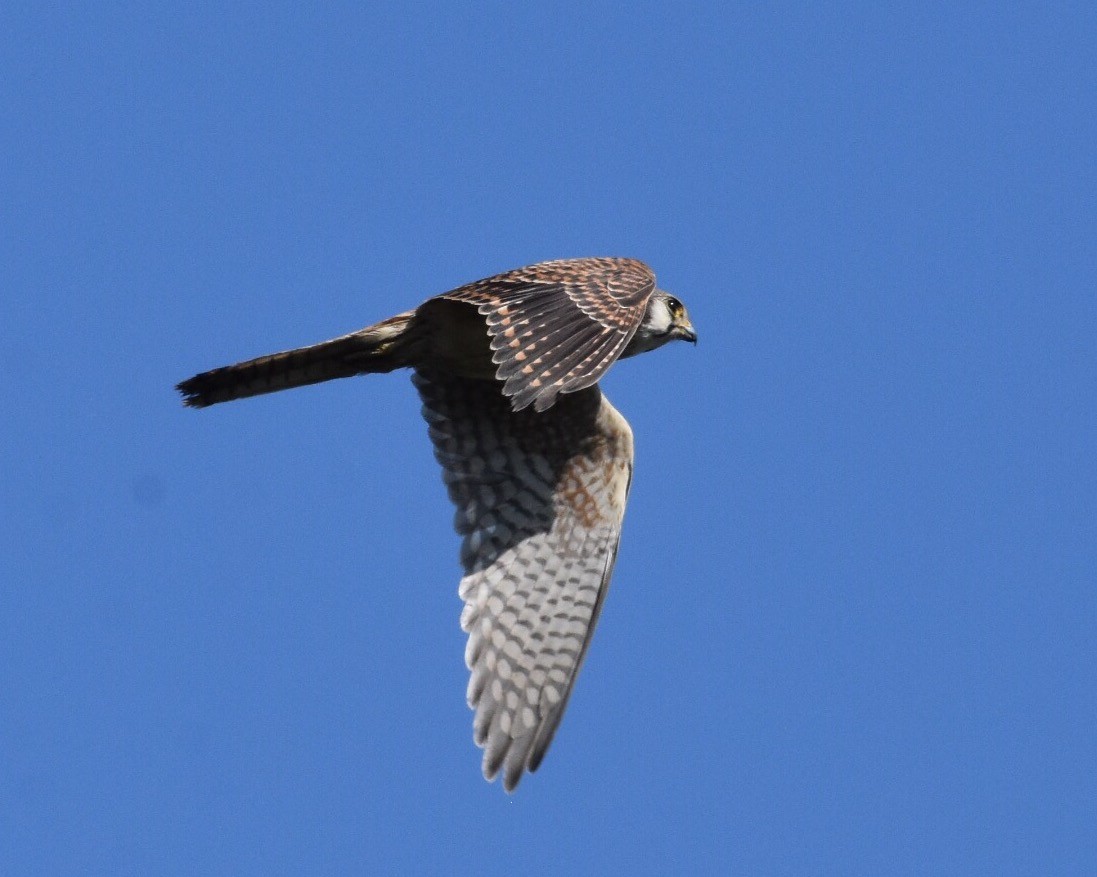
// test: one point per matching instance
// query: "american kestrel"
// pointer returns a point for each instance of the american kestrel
(535, 458)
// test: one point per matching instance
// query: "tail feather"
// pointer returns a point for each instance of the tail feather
(379, 348)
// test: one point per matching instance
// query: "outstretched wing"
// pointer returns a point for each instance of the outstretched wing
(557, 326)
(540, 499)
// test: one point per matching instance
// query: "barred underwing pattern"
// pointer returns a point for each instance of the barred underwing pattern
(540, 499)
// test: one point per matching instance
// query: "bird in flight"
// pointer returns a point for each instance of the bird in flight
(534, 457)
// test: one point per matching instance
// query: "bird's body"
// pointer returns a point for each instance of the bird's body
(535, 458)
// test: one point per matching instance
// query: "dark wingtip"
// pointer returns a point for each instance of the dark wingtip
(535, 759)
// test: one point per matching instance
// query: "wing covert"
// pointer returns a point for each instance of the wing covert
(556, 327)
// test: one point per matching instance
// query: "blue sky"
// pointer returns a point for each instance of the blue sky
(851, 629)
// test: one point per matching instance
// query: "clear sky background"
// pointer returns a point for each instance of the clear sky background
(852, 625)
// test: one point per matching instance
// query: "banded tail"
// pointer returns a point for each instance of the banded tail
(382, 347)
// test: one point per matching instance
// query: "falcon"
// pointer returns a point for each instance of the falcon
(534, 457)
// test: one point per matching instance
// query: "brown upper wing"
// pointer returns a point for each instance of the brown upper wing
(556, 327)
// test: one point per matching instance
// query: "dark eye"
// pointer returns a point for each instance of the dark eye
(673, 305)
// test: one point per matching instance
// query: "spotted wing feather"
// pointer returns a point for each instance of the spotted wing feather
(557, 326)
(540, 499)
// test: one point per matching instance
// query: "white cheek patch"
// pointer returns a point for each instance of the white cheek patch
(661, 320)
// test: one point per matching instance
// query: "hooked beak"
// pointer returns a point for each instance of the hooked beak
(686, 333)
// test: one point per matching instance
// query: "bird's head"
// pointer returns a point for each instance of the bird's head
(665, 320)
